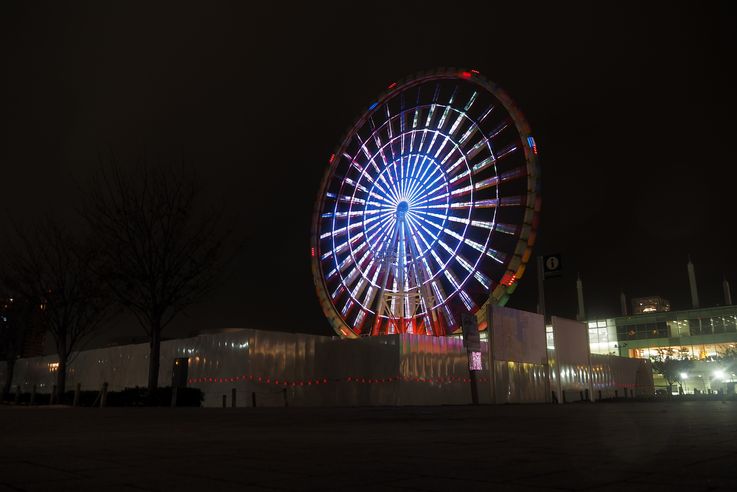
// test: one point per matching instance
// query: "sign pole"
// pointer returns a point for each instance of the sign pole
(491, 345)
(548, 266)
(472, 341)
(540, 287)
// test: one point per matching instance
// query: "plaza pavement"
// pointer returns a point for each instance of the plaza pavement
(629, 446)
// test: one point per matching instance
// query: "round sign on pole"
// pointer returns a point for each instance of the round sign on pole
(552, 265)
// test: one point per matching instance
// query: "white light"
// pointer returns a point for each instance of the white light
(684, 375)
(719, 374)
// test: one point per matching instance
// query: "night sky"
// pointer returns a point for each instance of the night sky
(633, 109)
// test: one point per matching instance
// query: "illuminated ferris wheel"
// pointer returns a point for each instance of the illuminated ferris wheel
(428, 208)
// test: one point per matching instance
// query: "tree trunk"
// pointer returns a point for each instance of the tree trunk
(61, 378)
(9, 368)
(153, 358)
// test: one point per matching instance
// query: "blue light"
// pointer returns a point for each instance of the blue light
(531, 142)
(373, 106)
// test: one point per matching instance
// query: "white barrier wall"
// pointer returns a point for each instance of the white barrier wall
(571, 360)
(518, 357)
(279, 368)
(618, 377)
(297, 369)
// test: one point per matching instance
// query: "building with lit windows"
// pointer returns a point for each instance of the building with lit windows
(652, 304)
(707, 336)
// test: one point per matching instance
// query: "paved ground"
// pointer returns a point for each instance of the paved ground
(604, 446)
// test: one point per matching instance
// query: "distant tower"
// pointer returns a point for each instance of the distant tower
(623, 302)
(692, 283)
(581, 316)
(727, 292)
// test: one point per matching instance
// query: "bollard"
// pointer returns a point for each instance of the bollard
(77, 392)
(563, 395)
(285, 398)
(17, 394)
(174, 397)
(225, 398)
(599, 395)
(580, 396)
(52, 398)
(232, 398)
(616, 393)
(103, 395)
(253, 399)
(33, 395)
(586, 393)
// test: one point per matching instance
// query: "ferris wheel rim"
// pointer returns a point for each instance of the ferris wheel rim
(525, 240)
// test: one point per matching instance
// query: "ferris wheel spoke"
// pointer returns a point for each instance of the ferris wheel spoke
(469, 134)
(486, 113)
(430, 174)
(446, 110)
(432, 197)
(414, 234)
(418, 167)
(455, 125)
(456, 166)
(426, 220)
(430, 145)
(382, 232)
(430, 170)
(458, 178)
(470, 102)
(430, 114)
(419, 232)
(388, 189)
(396, 180)
(386, 194)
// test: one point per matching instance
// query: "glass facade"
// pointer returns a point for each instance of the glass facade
(707, 336)
(603, 337)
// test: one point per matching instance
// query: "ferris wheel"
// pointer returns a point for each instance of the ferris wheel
(428, 208)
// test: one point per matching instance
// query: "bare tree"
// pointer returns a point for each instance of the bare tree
(54, 271)
(12, 330)
(162, 250)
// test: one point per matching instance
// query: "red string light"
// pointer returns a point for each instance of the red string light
(347, 379)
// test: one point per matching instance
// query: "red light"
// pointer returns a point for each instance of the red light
(509, 279)
(332, 158)
(392, 85)
(475, 71)
(312, 251)
(466, 75)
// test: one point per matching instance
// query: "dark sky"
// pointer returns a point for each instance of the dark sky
(633, 108)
